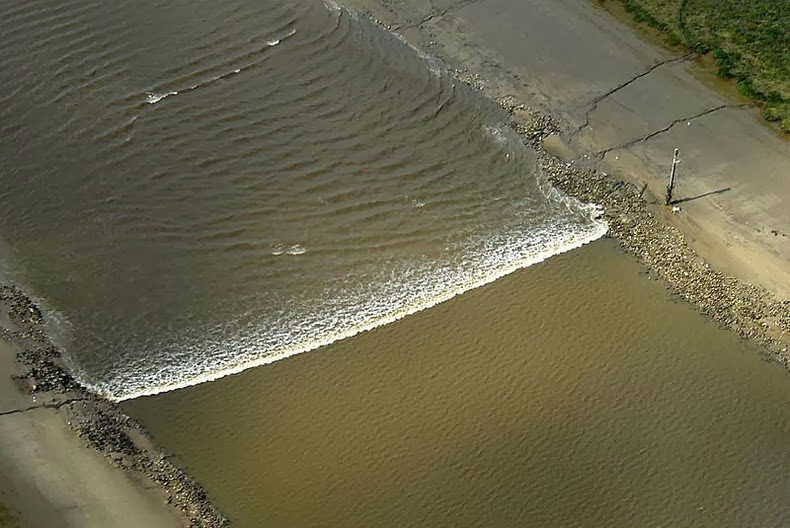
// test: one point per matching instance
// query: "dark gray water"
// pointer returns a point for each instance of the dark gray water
(194, 188)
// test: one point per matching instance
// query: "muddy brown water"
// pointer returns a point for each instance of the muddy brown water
(573, 393)
(194, 188)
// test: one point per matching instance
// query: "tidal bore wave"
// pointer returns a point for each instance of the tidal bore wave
(241, 354)
(253, 59)
(269, 179)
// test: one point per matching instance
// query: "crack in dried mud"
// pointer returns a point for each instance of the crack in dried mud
(593, 106)
(48, 405)
(641, 139)
(436, 14)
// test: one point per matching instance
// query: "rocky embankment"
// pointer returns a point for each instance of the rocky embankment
(634, 220)
(99, 422)
(751, 311)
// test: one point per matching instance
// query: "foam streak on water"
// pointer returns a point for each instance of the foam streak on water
(268, 179)
(154, 97)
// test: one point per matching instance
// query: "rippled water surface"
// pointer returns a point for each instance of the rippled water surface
(571, 394)
(193, 188)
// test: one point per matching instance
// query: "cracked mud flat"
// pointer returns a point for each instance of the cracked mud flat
(594, 104)
(642, 139)
(622, 106)
(44, 383)
(462, 34)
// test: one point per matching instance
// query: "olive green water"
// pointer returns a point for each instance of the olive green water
(572, 393)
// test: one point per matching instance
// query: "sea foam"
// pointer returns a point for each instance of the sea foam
(248, 350)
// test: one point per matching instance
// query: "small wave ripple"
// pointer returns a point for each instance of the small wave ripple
(315, 177)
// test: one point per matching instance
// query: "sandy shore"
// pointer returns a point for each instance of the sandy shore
(622, 105)
(49, 478)
(68, 458)
(605, 108)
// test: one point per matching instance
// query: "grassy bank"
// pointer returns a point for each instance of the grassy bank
(749, 40)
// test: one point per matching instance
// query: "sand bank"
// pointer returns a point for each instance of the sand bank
(50, 476)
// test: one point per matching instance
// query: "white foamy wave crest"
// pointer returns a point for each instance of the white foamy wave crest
(155, 97)
(296, 249)
(275, 42)
(496, 133)
(361, 311)
(435, 66)
(333, 7)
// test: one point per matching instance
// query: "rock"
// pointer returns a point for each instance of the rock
(100, 423)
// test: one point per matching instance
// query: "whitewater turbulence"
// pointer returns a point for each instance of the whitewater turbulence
(365, 309)
(271, 178)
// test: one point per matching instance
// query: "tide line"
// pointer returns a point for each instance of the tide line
(189, 379)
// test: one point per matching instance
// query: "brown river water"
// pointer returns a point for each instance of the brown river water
(196, 188)
(573, 393)
(192, 189)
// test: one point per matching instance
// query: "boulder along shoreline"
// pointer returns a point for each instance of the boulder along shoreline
(99, 422)
(752, 312)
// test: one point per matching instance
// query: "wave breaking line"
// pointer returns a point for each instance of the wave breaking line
(601, 228)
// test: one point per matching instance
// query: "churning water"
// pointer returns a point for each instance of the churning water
(195, 188)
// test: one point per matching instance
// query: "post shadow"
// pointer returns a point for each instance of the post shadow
(703, 195)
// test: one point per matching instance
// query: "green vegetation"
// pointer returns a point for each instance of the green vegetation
(749, 40)
(7, 519)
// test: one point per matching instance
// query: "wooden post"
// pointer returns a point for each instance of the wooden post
(675, 161)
